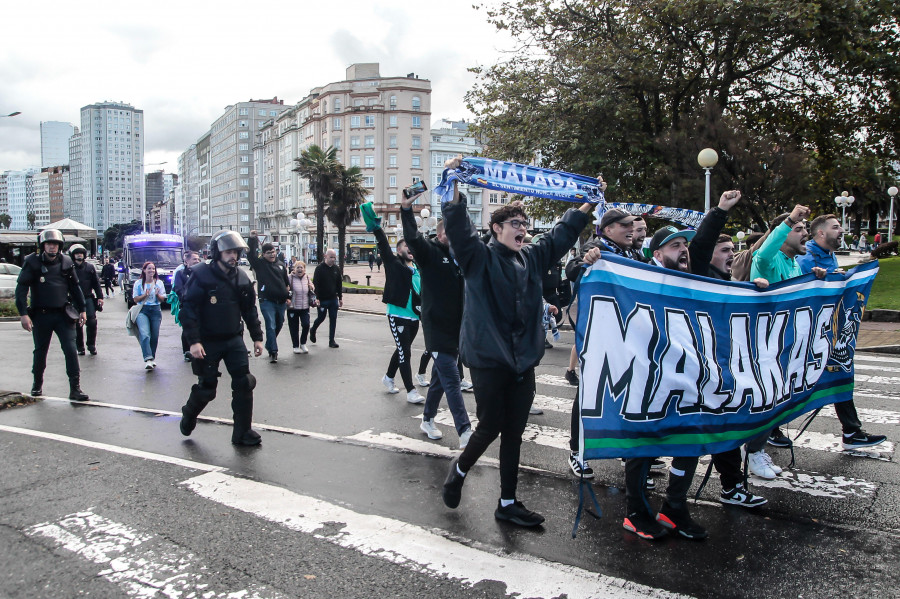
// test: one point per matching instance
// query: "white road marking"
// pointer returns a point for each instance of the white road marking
(429, 551)
(547, 436)
(552, 379)
(876, 380)
(818, 485)
(865, 357)
(868, 415)
(140, 564)
(825, 442)
(878, 368)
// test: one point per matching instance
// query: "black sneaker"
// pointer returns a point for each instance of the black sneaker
(273, 357)
(572, 377)
(333, 345)
(643, 525)
(187, 424)
(36, 391)
(81, 352)
(312, 335)
(92, 351)
(578, 467)
(862, 439)
(657, 464)
(742, 497)
(779, 439)
(452, 491)
(680, 521)
(518, 514)
(250, 438)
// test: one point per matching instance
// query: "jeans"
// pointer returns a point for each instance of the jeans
(148, 330)
(329, 307)
(273, 316)
(445, 379)
(297, 320)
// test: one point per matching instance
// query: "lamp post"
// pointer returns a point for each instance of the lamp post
(300, 225)
(740, 236)
(144, 212)
(843, 201)
(892, 191)
(16, 113)
(707, 159)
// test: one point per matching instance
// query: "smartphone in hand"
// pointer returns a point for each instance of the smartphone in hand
(415, 189)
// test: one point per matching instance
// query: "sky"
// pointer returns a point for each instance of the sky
(183, 62)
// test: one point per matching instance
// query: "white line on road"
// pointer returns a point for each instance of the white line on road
(878, 368)
(832, 443)
(868, 415)
(139, 563)
(429, 551)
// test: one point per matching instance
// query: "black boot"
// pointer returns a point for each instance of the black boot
(75, 391)
(37, 387)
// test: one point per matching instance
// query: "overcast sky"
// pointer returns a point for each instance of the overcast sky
(183, 62)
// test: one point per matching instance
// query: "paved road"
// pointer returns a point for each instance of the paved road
(342, 499)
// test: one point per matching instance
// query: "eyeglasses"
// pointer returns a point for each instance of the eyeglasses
(516, 223)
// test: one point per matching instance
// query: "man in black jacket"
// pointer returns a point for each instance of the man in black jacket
(50, 277)
(502, 334)
(442, 308)
(274, 290)
(217, 297)
(182, 274)
(328, 282)
(108, 273)
(93, 299)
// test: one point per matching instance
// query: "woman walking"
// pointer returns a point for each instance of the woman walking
(149, 291)
(298, 311)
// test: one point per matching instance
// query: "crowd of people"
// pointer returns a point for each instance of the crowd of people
(483, 302)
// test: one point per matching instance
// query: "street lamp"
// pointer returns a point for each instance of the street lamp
(16, 113)
(299, 226)
(740, 236)
(843, 201)
(892, 191)
(707, 158)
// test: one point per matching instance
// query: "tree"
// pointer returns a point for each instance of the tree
(114, 236)
(320, 168)
(5, 221)
(633, 89)
(343, 209)
(31, 217)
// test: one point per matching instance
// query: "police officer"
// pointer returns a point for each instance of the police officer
(50, 276)
(217, 296)
(93, 298)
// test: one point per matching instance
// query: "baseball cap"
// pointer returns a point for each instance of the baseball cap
(615, 215)
(667, 234)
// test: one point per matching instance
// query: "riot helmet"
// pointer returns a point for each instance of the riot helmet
(76, 249)
(51, 236)
(225, 240)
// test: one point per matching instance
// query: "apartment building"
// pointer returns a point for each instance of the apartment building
(40, 202)
(20, 197)
(55, 143)
(449, 139)
(159, 185)
(58, 182)
(74, 204)
(376, 123)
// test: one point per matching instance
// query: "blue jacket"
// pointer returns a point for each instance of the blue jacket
(816, 255)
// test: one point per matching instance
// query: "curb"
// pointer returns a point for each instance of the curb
(881, 349)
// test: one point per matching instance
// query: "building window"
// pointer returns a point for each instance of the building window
(354, 141)
(336, 123)
(392, 120)
(245, 159)
(417, 122)
(369, 181)
(393, 102)
(354, 122)
(354, 161)
(243, 147)
(245, 182)
(370, 141)
(261, 112)
(336, 142)
(493, 198)
(416, 161)
(392, 160)
(242, 124)
(273, 113)
(370, 162)
(244, 135)
(358, 102)
(243, 112)
(416, 103)
(416, 141)
(392, 141)
(370, 120)
(337, 104)
(245, 170)
(392, 181)
(392, 198)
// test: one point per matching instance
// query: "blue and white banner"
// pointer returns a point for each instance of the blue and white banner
(673, 364)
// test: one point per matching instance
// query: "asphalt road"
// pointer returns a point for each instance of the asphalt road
(107, 499)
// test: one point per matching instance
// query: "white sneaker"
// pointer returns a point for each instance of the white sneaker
(464, 438)
(430, 429)
(148, 364)
(775, 468)
(758, 464)
(304, 349)
(535, 411)
(297, 350)
(153, 363)
(389, 384)
(465, 385)
(422, 381)
(414, 397)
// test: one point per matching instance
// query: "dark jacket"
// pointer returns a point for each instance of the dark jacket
(328, 282)
(108, 272)
(443, 288)
(52, 285)
(397, 275)
(214, 303)
(180, 280)
(703, 244)
(271, 277)
(502, 324)
(89, 281)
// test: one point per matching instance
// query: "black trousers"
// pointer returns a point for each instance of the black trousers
(44, 325)
(681, 475)
(234, 353)
(502, 401)
(404, 331)
(90, 309)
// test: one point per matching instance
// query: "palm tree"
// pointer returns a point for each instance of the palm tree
(5, 221)
(31, 217)
(320, 168)
(343, 208)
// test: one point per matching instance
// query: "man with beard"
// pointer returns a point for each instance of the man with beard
(182, 274)
(218, 296)
(826, 233)
(93, 299)
(638, 235)
(328, 283)
(274, 290)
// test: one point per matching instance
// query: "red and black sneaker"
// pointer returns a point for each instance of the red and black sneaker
(644, 525)
(679, 520)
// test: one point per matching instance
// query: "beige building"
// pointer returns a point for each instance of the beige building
(377, 123)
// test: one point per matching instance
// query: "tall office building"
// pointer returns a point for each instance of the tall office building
(55, 143)
(374, 122)
(159, 186)
(106, 162)
(74, 204)
(20, 197)
(58, 181)
(40, 203)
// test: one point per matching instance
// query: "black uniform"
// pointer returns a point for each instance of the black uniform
(53, 284)
(90, 287)
(213, 306)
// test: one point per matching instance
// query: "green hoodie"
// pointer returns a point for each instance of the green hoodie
(770, 263)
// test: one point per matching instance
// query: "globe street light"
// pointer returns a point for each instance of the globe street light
(300, 225)
(843, 201)
(892, 191)
(707, 158)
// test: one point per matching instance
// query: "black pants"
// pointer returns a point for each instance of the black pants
(846, 413)
(44, 325)
(185, 346)
(502, 401)
(234, 353)
(730, 467)
(108, 286)
(404, 331)
(329, 307)
(298, 319)
(636, 471)
(90, 309)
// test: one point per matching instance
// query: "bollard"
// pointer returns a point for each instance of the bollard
(368, 280)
